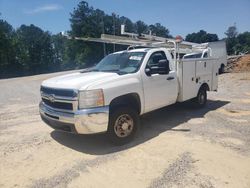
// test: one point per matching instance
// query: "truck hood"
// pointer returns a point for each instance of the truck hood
(78, 81)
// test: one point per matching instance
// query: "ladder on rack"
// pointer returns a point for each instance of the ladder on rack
(176, 46)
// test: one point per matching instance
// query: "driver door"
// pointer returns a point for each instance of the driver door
(159, 89)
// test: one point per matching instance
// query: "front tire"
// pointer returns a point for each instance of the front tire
(123, 125)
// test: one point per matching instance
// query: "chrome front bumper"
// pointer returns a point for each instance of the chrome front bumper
(86, 121)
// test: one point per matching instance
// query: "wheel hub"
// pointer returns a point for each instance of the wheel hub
(124, 125)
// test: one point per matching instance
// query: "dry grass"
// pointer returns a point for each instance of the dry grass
(242, 64)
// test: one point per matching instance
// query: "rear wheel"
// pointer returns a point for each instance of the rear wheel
(123, 125)
(222, 69)
(201, 99)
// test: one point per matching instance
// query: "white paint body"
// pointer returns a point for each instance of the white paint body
(155, 91)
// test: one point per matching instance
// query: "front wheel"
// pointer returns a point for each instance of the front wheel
(123, 125)
(201, 99)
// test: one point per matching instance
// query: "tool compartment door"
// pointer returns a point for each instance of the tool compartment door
(187, 81)
(204, 72)
(215, 76)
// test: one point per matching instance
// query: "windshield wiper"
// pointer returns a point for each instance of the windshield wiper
(121, 72)
(111, 70)
(117, 71)
(89, 70)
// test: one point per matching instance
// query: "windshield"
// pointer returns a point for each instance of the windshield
(121, 63)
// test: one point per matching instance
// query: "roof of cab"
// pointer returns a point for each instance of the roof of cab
(134, 50)
(140, 50)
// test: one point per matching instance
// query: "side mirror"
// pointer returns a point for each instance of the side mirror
(148, 71)
(163, 66)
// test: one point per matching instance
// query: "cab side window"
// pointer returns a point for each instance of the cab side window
(205, 55)
(155, 58)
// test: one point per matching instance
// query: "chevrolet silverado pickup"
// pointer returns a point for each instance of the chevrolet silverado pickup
(110, 97)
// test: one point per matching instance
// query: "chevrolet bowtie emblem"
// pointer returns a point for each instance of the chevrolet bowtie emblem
(51, 98)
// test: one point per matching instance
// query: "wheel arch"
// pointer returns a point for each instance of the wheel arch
(205, 86)
(198, 101)
(130, 99)
(221, 68)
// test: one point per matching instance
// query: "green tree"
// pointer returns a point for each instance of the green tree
(141, 27)
(89, 22)
(231, 40)
(159, 30)
(9, 65)
(85, 22)
(35, 51)
(231, 32)
(201, 37)
(30, 50)
(243, 43)
(59, 44)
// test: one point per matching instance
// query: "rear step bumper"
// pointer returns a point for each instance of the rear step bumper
(86, 121)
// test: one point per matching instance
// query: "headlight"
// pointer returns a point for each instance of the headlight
(91, 98)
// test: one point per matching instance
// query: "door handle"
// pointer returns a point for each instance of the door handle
(170, 78)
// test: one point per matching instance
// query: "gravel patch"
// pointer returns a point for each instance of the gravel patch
(62, 179)
(175, 174)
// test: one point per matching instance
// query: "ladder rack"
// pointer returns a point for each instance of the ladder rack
(134, 40)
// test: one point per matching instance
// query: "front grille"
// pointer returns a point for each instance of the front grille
(59, 105)
(54, 117)
(59, 92)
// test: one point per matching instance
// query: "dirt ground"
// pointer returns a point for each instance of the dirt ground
(178, 146)
(238, 63)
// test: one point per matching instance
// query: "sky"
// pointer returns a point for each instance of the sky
(180, 17)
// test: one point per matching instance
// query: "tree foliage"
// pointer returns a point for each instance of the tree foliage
(29, 50)
(89, 22)
(25, 51)
(231, 39)
(8, 44)
(231, 32)
(201, 37)
(244, 42)
(141, 27)
(159, 30)
(237, 43)
(37, 45)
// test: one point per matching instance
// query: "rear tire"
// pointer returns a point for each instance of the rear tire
(123, 125)
(222, 69)
(201, 99)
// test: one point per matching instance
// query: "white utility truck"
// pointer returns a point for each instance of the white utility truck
(111, 96)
